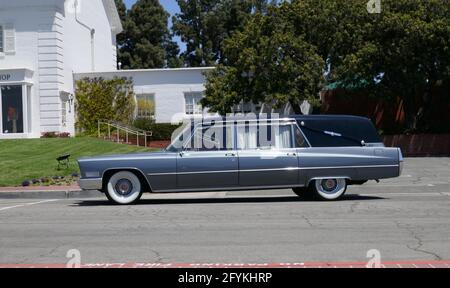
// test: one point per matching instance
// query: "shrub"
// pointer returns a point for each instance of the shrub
(160, 131)
(163, 131)
(103, 99)
(144, 124)
(55, 135)
(49, 135)
(64, 135)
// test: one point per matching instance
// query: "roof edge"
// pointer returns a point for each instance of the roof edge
(148, 70)
(113, 16)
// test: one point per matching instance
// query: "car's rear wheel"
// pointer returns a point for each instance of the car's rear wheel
(329, 189)
(123, 188)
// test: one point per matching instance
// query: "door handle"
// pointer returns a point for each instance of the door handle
(291, 154)
(230, 155)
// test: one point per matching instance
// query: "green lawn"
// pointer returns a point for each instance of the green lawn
(35, 158)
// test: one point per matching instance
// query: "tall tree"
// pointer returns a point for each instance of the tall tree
(99, 98)
(266, 62)
(404, 52)
(204, 24)
(146, 41)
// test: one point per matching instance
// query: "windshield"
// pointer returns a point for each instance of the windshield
(179, 136)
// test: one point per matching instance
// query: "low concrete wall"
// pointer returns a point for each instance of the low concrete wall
(420, 145)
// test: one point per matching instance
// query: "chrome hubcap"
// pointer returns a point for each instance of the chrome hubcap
(124, 187)
(329, 184)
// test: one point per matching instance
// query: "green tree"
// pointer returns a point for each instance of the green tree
(146, 41)
(204, 24)
(101, 99)
(267, 62)
(402, 52)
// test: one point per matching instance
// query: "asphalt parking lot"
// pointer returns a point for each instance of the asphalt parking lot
(405, 219)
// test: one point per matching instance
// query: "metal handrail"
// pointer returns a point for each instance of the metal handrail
(127, 129)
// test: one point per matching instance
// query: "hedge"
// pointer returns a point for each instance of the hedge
(160, 131)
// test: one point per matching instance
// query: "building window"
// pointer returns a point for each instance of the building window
(1, 39)
(192, 103)
(145, 105)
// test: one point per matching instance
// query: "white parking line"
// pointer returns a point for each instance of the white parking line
(27, 204)
(420, 194)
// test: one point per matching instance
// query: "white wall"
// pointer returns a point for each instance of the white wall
(77, 38)
(79, 56)
(168, 85)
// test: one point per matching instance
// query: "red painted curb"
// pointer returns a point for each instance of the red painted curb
(39, 189)
(387, 264)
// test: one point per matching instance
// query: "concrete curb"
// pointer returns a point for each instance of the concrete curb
(63, 194)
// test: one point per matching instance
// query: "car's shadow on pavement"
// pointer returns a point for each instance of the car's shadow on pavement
(243, 199)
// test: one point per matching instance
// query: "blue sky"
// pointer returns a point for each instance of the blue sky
(171, 6)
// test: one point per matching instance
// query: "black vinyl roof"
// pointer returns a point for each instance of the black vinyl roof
(325, 130)
(337, 130)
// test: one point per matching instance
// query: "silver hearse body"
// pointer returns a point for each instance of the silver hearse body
(322, 154)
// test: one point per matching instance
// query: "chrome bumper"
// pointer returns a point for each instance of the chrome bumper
(90, 184)
(400, 162)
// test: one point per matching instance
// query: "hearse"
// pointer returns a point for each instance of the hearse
(317, 156)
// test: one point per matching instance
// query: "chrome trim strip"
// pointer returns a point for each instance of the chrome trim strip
(235, 188)
(344, 167)
(196, 172)
(223, 171)
(130, 157)
(271, 169)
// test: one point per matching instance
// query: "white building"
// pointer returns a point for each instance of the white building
(175, 93)
(42, 44)
(45, 45)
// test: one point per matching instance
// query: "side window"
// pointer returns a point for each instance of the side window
(300, 141)
(247, 137)
(277, 136)
(214, 138)
(283, 137)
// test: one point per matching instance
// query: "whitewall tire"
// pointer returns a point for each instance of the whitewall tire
(123, 188)
(329, 189)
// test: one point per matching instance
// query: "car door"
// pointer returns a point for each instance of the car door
(209, 161)
(267, 156)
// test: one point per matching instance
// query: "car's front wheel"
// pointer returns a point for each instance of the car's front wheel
(329, 189)
(123, 188)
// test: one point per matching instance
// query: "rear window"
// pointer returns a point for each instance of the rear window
(334, 132)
